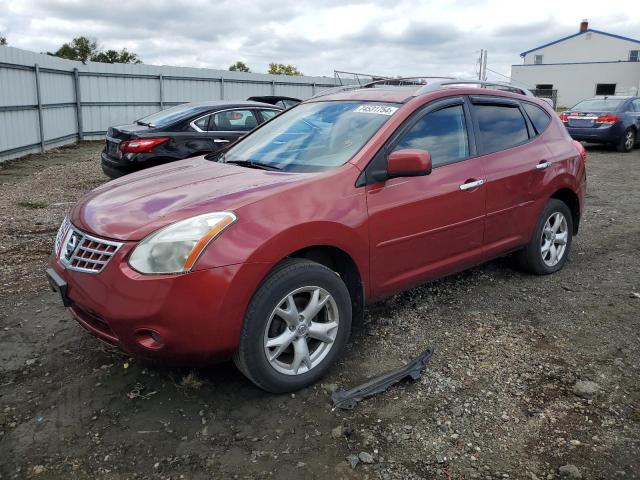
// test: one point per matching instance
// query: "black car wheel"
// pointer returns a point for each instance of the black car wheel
(296, 326)
(628, 141)
(549, 247)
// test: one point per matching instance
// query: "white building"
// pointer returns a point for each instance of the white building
(582, 65)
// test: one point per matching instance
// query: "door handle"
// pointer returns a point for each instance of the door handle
(471, 184)
(220, 140)
(543, 165)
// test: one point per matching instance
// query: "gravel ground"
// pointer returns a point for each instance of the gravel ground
(532, 377)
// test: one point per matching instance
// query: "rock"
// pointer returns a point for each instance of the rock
(353, 460)
(365, 457)
(337, 432)
(301, 465)
(30, 362)
(38, 469)
(330, 387)
(569, 471)
(585, 388)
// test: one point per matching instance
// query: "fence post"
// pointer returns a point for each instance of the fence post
(76, 86)
(221, 88)
(161, 92)
(39, 99)
(273, 87)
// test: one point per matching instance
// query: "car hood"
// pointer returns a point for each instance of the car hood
(135, 205)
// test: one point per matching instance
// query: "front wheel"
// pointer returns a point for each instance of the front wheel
(296, 326)
(548, 249)
(627, 141)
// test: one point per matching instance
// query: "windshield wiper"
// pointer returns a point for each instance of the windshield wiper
(143, 123)
(252, 164)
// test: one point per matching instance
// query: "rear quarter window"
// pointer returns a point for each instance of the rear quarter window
(539, 118)
(500, 127)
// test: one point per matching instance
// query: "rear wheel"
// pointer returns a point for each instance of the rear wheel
(549, 246)
(296, 326)
(628, 141)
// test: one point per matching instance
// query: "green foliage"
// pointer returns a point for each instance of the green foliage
(83, 50)
(3, 41)
(112, 56)
(239, 67)
(284, 69)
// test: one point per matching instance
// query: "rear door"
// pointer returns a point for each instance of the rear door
(515, 161)
(422, 227)
(226, 126)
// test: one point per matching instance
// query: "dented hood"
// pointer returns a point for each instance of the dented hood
(135, 205)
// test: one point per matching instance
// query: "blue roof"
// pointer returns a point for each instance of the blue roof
(580, 33)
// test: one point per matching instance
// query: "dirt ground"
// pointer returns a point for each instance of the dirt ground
(503, 396)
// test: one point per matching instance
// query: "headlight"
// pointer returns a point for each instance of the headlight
(176, 248)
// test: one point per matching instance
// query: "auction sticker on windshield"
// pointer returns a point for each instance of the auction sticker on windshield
(379, 109)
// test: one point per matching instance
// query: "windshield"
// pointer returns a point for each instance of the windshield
(599, 105)
(169, 115)
(312, 136)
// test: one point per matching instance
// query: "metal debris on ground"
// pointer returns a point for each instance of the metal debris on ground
(347, 399)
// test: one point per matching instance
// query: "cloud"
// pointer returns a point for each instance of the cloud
(403, 37)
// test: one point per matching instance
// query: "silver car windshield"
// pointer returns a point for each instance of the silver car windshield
(312, 136)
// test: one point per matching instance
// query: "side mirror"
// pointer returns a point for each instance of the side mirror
(409, 163)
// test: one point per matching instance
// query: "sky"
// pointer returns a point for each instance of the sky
(390, 37)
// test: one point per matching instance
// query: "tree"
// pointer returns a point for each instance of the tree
(80, 48)
(282, 69)
(83, 49)
(113, 56)
(3, 41)
(239, 67)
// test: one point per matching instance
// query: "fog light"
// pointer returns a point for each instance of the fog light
(150, 339)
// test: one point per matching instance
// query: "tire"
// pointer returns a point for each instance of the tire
(627, 141)
(270, 329)
(537, 256)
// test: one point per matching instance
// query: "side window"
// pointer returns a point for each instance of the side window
(500, 127)
(635, 106)
(203, 123)
(442, 133)
(233, 120)
(268, 114)
(538, 117)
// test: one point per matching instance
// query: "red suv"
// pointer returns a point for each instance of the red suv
(266, 251)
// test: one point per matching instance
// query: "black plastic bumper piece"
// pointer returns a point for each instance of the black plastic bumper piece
(347, 399)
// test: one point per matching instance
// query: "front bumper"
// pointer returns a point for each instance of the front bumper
(198, 315)
(601, 134)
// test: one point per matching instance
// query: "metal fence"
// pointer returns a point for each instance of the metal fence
(547, 93)
(46, 102)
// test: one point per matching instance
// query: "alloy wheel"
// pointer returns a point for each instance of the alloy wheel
(553, 241)
(629, 140)
(301, 330)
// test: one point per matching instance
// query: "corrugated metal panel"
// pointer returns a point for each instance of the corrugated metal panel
(18, 128)
(132, 90)
(59, 122)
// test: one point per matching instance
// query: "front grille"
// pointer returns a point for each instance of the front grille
(82, 252)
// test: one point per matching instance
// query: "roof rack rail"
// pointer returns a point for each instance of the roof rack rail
(397, 81)
(431, 87)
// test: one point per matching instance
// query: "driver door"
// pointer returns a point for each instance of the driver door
(424, 227)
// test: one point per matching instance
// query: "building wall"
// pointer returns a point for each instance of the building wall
(576, 82)
(589, 46)
(82, 101)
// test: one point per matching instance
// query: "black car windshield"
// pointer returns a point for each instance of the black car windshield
(312, 136)
(599, 105)
(170, 115)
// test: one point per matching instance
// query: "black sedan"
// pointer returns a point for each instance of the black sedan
(614, 120)
(179, 132)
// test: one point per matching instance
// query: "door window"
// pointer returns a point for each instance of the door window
(203, 123)
(269, 114)
(442, 133)
(233, 120)
(538, 117)
(500, 127)
(635, 106)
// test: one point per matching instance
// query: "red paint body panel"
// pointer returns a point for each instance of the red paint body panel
(399, 233)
